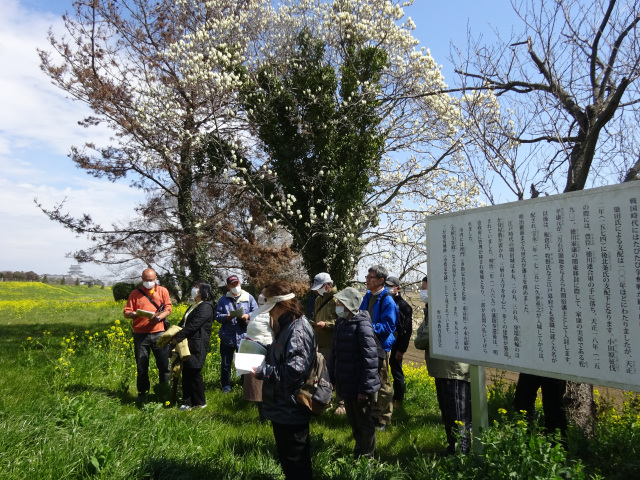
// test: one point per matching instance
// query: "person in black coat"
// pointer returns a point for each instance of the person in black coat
(196, 328)
(404, 329)
(286, 367)
(353, 368)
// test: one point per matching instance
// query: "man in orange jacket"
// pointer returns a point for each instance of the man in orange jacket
(153, 298)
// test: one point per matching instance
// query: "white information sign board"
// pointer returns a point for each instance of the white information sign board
(549, 286)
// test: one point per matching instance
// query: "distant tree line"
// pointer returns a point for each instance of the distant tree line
(8, 276)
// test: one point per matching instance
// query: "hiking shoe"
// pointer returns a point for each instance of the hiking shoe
(184, 408)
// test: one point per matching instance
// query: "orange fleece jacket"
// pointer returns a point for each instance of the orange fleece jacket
(138, 301)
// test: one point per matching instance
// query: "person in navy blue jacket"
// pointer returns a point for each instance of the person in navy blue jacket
(353, 368)
(233, 328)
(384, 314)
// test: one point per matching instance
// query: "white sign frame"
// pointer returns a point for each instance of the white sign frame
(579, 290)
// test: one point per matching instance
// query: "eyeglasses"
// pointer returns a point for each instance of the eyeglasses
(371, 277)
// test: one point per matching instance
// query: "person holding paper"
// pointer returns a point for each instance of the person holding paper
(259, 330)
(152, 298)
(196, 329)
(233, 313)
(286, 367)
(384, 317)
(324, 320)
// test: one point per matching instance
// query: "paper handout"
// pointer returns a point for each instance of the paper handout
(245, 362)
(249, 346)
(144, 313)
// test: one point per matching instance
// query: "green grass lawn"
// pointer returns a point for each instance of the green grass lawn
(67, 410)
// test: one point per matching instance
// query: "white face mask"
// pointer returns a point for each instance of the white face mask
(194, 292)
(320, 291)
(424, 296)
(261, 300)
(341, 311)
(149, 285)
(235, 290)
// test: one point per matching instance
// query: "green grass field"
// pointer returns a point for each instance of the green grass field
(67, 410)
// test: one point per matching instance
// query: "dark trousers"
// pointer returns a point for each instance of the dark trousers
(454, 400)
(226, 359)
(553, 391)
(362, 427)
(192, 387)
(143, 344)
(294, 450)
(398, 376)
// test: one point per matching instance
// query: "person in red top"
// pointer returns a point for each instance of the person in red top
(146, 331)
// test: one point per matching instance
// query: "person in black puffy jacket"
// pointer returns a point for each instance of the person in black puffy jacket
(353, 368)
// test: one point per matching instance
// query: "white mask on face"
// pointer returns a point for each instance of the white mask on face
(424, 296)
(236, 290)
(261, 300)
(149, 285)
(194, 292)
(341, 311)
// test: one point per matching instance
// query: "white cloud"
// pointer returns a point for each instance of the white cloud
(31, 108)
(33, 242)
(38, 125)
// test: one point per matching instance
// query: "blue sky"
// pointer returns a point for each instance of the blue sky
(38, 125)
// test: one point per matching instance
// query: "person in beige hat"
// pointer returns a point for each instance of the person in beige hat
(353, 368)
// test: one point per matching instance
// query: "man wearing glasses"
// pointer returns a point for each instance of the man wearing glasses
(384, 314)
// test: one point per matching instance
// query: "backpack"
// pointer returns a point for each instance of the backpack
(401, 323)
(315, 393)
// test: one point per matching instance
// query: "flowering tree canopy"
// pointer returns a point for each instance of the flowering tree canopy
(322, 117)
(343, 147)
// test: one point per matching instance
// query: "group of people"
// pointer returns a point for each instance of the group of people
(363, 340)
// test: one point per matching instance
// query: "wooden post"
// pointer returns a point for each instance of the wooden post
(479, 411)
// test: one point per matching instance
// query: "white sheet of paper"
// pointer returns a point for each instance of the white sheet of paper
(249, 346)
(245, 362)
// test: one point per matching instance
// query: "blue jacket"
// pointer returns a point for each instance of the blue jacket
(234, 330)
(384, 319)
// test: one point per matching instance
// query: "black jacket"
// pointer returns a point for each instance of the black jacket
(404, 327)
(286, 367)
(197, 331)
(353, 365)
